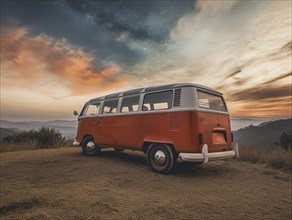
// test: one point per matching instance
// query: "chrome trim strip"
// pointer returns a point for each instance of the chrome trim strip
(155, 112)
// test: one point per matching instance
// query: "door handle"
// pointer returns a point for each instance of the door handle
(98, 122)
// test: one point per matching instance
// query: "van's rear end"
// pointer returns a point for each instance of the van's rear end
(211, 128)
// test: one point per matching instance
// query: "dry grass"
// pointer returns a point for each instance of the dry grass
(62, 184)
(31, 145)
(7, 147)
(278, 158)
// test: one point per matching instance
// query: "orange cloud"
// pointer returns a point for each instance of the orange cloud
(207, 5)
(33, 62)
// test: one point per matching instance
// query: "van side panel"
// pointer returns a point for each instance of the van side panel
(130, 131)
(133, 130)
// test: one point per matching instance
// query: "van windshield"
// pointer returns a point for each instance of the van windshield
(91, 109)
(210, 101)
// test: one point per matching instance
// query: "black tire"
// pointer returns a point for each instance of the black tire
(119, 149)
(89, 148)
(161, 158)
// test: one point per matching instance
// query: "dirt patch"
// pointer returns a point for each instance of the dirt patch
(64, 184)
(21, 205)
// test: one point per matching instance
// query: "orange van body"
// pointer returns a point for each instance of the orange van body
(181, 129)
(185, 121)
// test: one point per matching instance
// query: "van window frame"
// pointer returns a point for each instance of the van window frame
(126, 97)
(189, 102)
(85, 108)
(117, 108)
(210, 93)
(151, 93)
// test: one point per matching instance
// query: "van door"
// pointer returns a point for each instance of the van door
(90, 122)
(104, 130)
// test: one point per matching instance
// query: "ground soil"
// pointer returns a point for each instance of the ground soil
(64, 184)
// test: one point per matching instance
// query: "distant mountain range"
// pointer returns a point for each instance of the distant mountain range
(263, 135)
(67, 128)
(238, 123)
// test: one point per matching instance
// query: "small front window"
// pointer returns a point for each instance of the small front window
(157, 101)
(110, 106)
(91, 109)
(212, 102)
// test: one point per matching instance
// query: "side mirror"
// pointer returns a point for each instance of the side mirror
(75, 113)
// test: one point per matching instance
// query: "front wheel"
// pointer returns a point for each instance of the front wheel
(161, 158)
(89, 148)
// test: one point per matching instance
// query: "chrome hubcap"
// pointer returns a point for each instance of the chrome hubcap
(159, 158)
(90, 146)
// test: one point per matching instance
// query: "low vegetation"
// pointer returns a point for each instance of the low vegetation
(278, 158)
(42, 138)
(285, 141)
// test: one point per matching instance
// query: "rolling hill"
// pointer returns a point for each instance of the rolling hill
(264, 135)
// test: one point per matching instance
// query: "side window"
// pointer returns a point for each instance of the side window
(209, 101)
(130, 104)
(157, 101)
(91, 109)
(110, 106)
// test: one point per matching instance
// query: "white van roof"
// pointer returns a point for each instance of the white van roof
(152, 89)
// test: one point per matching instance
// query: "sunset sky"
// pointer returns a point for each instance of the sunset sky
(55, 55)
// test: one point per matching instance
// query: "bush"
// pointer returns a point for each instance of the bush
(285, 141)
(43, 138)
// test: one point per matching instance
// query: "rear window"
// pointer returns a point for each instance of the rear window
(212, 102)
(91, 109)
(157, 101)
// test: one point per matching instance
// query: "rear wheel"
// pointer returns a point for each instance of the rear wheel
(161, 158)
(89, 148)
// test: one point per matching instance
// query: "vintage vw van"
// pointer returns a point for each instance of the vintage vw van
(179, 121)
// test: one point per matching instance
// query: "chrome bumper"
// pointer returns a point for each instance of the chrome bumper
(205, 156)
(76, 143)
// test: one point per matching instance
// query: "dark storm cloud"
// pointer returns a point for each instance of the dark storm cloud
(113, 24)
(262, 92)
(55, 19)
(284, 51)
(283, 76)
(233, 73)
(133, 17)
(287, 46)
(95, 25)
